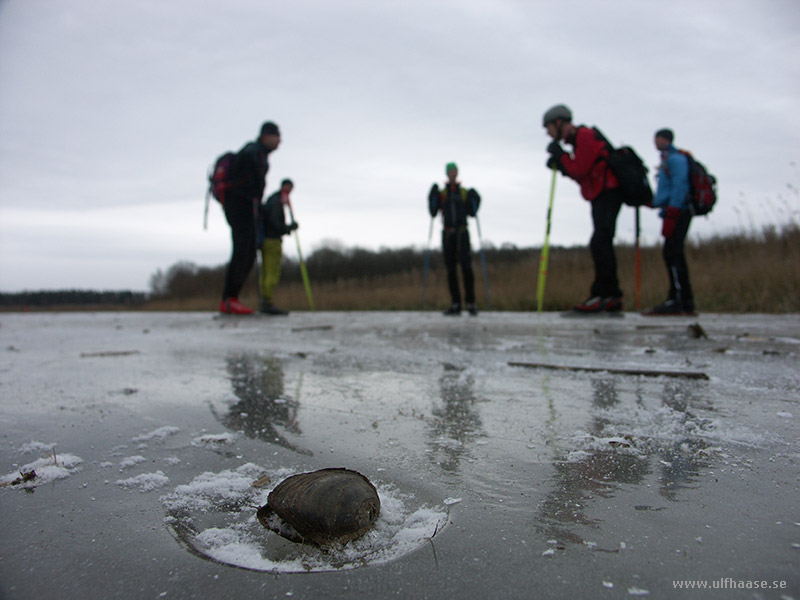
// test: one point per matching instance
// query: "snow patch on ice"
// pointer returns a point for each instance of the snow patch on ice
(146, 482)
(227, 489)
(158, 434)
(131, 461)
(46, 469)
(215, 514)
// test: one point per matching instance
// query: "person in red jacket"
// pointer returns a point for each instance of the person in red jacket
(600, 187)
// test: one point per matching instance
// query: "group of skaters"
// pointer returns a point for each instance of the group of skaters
(262, 226)
(598, 184)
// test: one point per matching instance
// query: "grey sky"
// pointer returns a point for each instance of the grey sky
(111, 112)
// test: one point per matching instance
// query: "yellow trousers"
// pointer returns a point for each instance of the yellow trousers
(270, 274)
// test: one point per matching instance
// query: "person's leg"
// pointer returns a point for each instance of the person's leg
(449, 250)
(263, 273)
(605, 209)
(465, 259)
(680, 288)
(272, 253)
(240, 218)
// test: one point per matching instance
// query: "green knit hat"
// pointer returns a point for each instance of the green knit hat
(450, 165)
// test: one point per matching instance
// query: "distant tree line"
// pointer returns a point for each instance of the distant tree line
(326, 264)
(72, 298)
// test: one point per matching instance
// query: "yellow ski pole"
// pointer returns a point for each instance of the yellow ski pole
(545, 248)
(303, 270)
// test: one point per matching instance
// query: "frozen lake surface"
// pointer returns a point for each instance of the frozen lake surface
(516, 455)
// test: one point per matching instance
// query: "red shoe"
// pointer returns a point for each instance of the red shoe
(598, 304)
(232, 306)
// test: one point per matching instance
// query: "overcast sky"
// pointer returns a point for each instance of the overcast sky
(111, 112)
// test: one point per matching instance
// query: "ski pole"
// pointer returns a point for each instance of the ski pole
(427, 263)
(483, 258)
(545, 248)
(303, 270)
(638, 264)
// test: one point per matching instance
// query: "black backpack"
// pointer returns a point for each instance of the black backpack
(630, 171)
(702, 186)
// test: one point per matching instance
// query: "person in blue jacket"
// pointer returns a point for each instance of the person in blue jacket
(672, 197)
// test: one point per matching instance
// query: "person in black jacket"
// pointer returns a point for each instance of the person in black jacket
(272, 227)
(456, 204)
(248, 177)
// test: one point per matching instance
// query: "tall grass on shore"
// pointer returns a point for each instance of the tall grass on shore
(748, 272)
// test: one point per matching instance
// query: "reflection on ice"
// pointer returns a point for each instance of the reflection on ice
(454, 422)
(621, 446)
(261, 408)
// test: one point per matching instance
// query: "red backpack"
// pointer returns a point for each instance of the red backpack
(702, 186)
(219, 181)
(219, 177)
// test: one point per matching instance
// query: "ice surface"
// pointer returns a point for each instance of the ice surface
(37, 447)
(214, 440)
(494, 479)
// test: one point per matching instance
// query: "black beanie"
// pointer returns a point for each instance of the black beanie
(269, 128)
(666, 134)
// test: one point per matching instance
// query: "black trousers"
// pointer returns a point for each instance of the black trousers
(605, 209)
(240, 214)
(457, 250)
(680, 289)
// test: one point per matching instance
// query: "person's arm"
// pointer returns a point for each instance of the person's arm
(584, 157)
(678, 166)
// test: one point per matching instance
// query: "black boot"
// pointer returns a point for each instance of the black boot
(268, 308)
(453, 311)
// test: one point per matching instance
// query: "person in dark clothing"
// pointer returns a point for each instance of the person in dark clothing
(248, 177)
(672, 197)
(456, 204)
(272, 227)
(600, 187)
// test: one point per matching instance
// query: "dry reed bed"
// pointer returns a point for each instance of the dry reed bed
(729, 275)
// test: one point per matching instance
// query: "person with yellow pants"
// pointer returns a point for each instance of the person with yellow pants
(272, 227)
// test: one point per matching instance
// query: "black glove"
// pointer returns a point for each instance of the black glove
(556, 152)
(555, 149)
(434, 200)
(473, 202)
(293, 226)
(553, 163)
